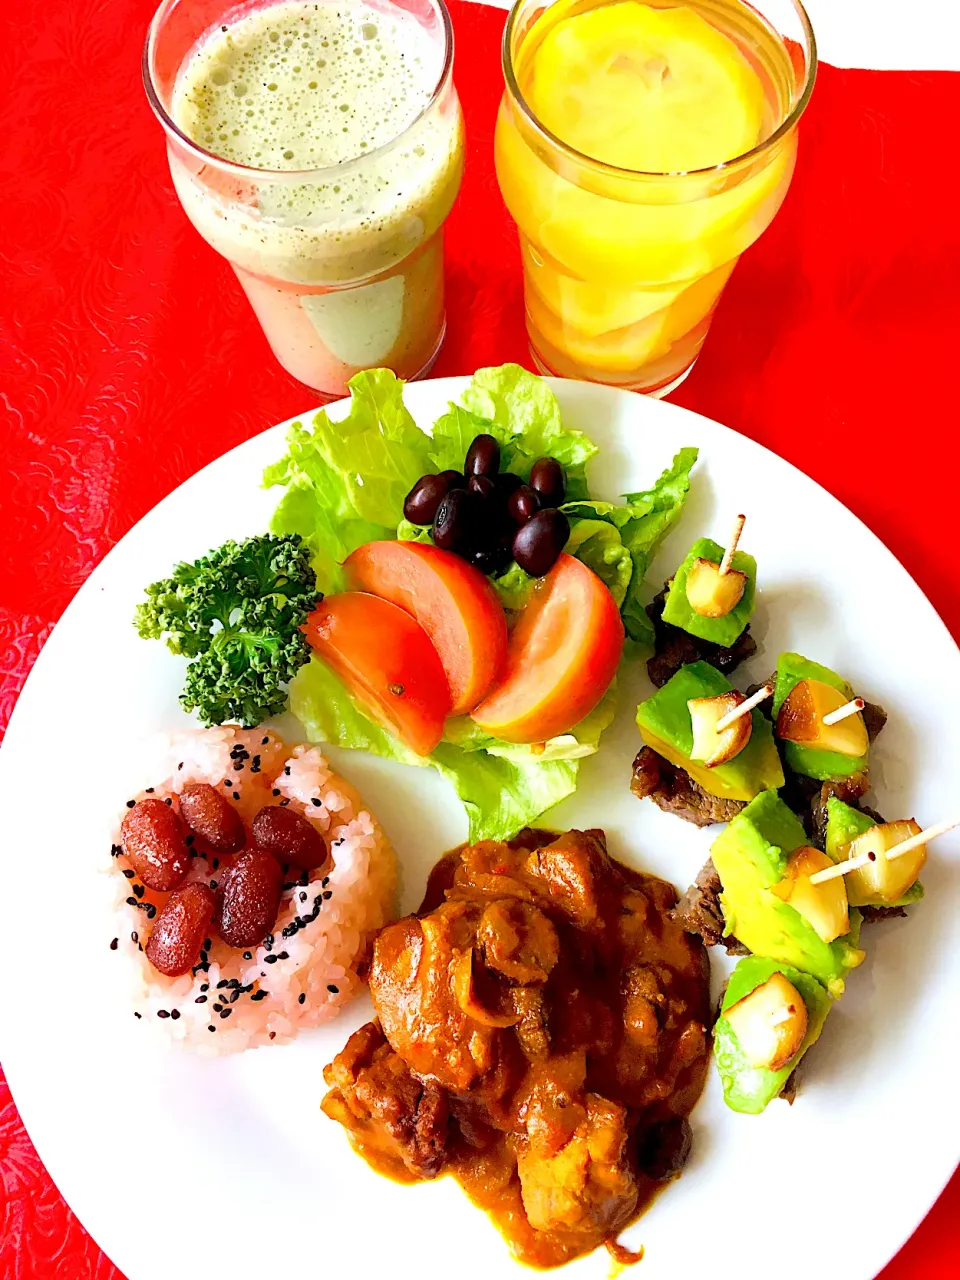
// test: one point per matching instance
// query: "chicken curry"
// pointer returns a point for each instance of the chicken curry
(541, 1036)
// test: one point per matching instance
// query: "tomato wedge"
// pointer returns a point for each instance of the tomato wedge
(386, 659)
(562, 655)
(454, 603)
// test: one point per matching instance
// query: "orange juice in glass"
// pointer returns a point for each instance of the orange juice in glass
(641, 146)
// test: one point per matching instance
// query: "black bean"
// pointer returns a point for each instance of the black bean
(483, 487)
(420, 504)
(483, 457)
(522, 504)
(547, 478)
(507, 483)
(458, 523)
(492, 559)
(539, 542)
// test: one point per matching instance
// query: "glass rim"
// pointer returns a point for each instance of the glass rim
(613, 170)
(172, 129)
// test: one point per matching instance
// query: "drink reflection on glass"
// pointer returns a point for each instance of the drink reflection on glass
(319, 148)
(640, 148)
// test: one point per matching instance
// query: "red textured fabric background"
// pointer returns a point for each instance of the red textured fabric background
(129, 359)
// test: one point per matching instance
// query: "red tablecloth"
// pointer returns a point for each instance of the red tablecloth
(129, 359)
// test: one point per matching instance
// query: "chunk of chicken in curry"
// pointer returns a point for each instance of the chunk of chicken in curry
(541, 1036)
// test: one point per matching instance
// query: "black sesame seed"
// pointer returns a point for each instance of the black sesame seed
(217, 1007)
(236, 795)
(137, 1015)
(327, 894)
(222, 983)
(264, 741)
(200, 1000)
(247, 955)
(273, 1035)
(128, 873)
(270, 959)
(303, 897)
(115, 851)
(234, 997)
(189, 841)
(284, 955)
(131, 803)
(134, 937)
(149, 790)
(139, 890)
(114, 944)
(132, 902)
(168, 800)
(276, 791)
(238, 765)
(284, 803)
(260, 995)
(211, 1027)
(334, 991)
(174, 1014)
(213, 884)
(180, 765)
(162, 1013)
(151, 910)
(227, 782)
(324, 882)
(318, 803)
(207, 944)
(301, 998)
(286, 770)
(216, 864)
(205, 986)
(225, 1013)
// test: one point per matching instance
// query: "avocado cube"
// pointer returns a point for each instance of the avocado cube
(746, 1088)
(664, 723)
(751, 856)
(678, 610)
(811, 762)
(844, 824)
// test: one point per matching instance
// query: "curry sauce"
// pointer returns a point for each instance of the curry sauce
(541, 1036)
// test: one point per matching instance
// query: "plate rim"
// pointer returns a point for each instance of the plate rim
(453, 385)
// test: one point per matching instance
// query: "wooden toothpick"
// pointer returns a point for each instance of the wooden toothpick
(842, 713)
(744, 708)
(727, 560)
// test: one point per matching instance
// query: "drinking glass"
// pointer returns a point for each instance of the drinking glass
(623, 269)
(342, 264)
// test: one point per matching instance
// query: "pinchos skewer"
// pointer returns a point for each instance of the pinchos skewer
(898, 851)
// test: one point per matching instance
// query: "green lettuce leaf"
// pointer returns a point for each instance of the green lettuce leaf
(523, 406)
(346, 481)
(503, 786)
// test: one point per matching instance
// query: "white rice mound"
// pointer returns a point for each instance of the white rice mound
(310, 975)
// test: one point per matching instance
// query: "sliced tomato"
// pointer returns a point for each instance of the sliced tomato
(454, 603)
(563, 654)
(386, 659)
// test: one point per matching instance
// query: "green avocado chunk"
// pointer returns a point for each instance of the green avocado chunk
(664, 723)
(812, 763)
(746, 1088)
(844, 824)
(678, 610)
(751, 856)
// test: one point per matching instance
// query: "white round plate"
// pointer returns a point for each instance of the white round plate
(227, 1167)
